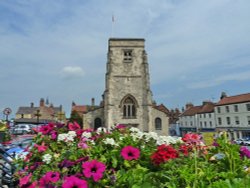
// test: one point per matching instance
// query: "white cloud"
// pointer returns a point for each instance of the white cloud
(241, 76)
(72, 72)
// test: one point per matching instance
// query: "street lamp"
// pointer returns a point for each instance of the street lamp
(37, 114)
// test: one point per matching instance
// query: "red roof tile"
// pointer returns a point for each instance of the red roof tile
(234, 99)
(208, 107)
(162, 108)
(191, 111)
(80, 108)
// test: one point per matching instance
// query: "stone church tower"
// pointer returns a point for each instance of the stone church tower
(127, 98)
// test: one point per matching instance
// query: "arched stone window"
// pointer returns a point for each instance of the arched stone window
(129, 107)
(158, 124)
(97, 123)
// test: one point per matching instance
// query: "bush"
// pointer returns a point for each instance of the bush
(68, 156)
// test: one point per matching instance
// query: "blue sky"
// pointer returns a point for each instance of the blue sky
(57, 49)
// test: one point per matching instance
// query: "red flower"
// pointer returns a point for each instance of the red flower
(130, 153)
(184, 149)
(163, 154)
(73, 126)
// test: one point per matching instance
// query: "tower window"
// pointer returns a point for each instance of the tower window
(127, 56)
(129, 109)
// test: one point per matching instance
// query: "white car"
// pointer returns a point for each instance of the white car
(239, 141)
(246, 142)
(22, 129)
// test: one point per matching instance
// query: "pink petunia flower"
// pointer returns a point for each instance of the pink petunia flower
(41, 148)
(130, 153)
(74, 182)
(82, 145)
(25, 180)
(74, 126)
(45, 129)
(51, 125)
(53, 135)
(52, 176)
(94, 169)
(192, 138)
(120, 126)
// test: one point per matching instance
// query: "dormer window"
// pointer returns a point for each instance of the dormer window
(127, 56)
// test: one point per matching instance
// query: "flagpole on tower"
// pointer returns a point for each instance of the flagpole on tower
(113, 22)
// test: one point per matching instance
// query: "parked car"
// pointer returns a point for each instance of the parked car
(19, 148)
(239, 141)
(246, 142)
(22, 129)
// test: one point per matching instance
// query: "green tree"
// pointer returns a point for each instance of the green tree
(75, 117)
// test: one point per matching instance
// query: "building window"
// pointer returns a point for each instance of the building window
(129, 109)
(237, 121)
(248, 120)
(158, 125)
(228, 121)
(200, 124)
(127, 56)
(22, 115)
(191, 123)
(219, 121)
(210, 115)
(205, 124)
(248, 106)
(211, 124)
(227, 108)
(204, 115)
(200, 116)
(236, 108)
(218, 109)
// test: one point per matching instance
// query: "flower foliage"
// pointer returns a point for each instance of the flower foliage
(68, 156)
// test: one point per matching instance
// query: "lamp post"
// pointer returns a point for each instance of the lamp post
(7, 112)
(37, 114)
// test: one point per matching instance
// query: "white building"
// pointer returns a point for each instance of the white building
(233, 115)
(206, 117)
(198, 118)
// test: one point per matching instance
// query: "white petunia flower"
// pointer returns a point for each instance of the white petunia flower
(86, 134)
(101, 130)
(134, 129)
(150, 135)
(62, 137)
(110, 141)
(47, 158)
(72, 133)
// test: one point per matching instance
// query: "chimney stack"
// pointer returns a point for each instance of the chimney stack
(32, 105)
(41, 102)
(223, 95)
(189, 105)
